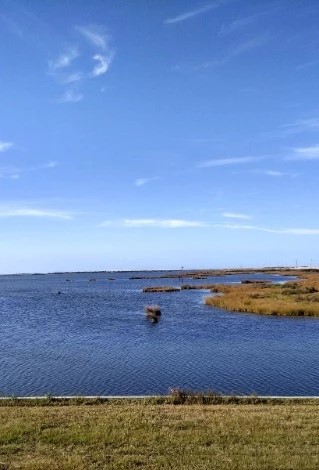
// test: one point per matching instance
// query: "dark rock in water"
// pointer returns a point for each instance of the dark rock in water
(153, 312)
(59, 292)
(153, 309)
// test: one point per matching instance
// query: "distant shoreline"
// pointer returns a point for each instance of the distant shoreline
(180, 272)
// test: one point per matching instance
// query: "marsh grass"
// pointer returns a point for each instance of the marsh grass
(161, 289)
(131, 434)
(300, 298)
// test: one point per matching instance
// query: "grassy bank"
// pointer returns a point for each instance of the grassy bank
(130, 434)
(299, 298)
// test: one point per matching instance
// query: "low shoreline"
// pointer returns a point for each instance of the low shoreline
(176, 398)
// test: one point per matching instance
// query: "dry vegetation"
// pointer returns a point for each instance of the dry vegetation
(130, 434)
(299, 298)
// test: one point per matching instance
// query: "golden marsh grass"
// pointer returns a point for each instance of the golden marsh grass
(298, 298)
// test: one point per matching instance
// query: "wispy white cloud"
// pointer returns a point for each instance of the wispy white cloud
(236, 24)
(275, 173)
(243, 22)
(62, 71)
(10, 173)
(5, 146)
(162, 223)
(95, 35)
(237, 227)
(50, 164)
(71, 96)
(245, 47)
(31, 212)
(11, 25)
(59, 70)
(64, 60)
(235, 215)
(72, 77)
(236, 51)
(142, 181)
(284, 231)
(301, 125)
(191, 14)
(181, 223)
(206, 140)
(228, 161)
(301, 231)
(305, 65)
(155, 223)
(305, 153)
(103, 64)
(15, 173)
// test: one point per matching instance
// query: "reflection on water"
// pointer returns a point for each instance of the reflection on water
(93, 338)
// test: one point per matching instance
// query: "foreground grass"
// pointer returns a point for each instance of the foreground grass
(128, 434)
(300, 298)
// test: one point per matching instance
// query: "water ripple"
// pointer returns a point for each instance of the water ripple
(93, 339)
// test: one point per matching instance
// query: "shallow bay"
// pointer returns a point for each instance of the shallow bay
(93, 339)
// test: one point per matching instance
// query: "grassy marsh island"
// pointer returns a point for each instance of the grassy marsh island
(126, 434)
(161, 289)
(297, 298)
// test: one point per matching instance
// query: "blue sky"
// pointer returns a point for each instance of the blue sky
(158, 134)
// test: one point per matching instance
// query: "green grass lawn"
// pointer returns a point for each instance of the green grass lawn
(130, 434)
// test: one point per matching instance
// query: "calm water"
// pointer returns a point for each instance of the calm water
(94, 339)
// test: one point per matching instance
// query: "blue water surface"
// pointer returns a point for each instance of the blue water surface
(94, 339)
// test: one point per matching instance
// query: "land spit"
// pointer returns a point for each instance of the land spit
(298, 298)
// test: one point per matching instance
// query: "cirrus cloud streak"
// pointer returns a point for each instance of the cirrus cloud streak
(155, 223)
(228, 161)
(31, 212)
(190, 14)
(4, 146)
